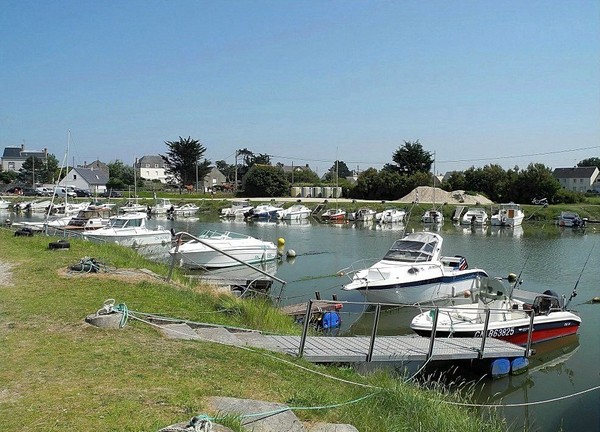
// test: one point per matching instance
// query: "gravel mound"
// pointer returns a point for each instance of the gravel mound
(428, 194)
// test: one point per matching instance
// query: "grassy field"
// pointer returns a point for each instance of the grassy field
(59, 373)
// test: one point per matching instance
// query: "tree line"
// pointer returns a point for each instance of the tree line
(254, 175)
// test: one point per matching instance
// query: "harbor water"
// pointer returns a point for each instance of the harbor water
(559, 390)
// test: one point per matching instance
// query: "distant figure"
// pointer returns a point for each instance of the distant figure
(473, 219)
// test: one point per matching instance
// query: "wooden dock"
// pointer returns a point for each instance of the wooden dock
(320, 349)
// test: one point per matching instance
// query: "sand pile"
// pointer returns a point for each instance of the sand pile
(427, 194)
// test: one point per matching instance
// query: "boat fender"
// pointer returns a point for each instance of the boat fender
(500, 368)
(60, 244)
(331, 319)
(596, 300)
(519, 365)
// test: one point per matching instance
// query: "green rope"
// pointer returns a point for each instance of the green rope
(121, 307)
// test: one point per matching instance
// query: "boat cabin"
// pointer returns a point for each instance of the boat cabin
(416, 247)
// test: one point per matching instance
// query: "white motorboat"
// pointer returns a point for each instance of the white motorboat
(390, 216)
(475, 216)
(509, 214)
(509, 316)
(185, 210)
(295, 212)
(132, 207)
(162, 206)
(238, 209)
(263, 211)
(215, 249)
(570, 219)
(88, 219)
(130, 229)
(364, 215)
(432, 216)
(414, 271)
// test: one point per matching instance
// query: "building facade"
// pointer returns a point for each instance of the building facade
(13, 157)
(577, 179)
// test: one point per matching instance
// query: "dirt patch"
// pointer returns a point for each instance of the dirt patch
(126, 274)
(5, 274)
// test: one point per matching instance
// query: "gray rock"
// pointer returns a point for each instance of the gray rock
(330, 427)
(263, 418)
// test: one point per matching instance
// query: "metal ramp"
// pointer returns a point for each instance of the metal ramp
(457, 213)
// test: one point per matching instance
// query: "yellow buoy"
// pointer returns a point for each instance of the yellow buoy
(280, 242)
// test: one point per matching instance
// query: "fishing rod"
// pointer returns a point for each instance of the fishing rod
(518, 280)
(574, 292)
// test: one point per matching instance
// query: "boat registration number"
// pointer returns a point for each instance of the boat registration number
(502, 332)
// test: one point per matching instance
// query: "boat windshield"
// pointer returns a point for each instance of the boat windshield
(411, 251)
(122, 223)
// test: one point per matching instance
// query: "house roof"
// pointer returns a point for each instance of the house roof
(97, 164)
(296, 168)
(152, 160)
(92, 176)
(575, 172)
(21, 153)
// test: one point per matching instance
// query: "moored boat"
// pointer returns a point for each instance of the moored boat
(390, 216)
(475, 216)
(295, 212)
(129, 229)
(509, 314)
(509, 214)
(414, 271)
(215, 249)
(334, 215)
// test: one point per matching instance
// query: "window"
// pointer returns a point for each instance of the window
(147, 165)
(74, 176)
(155, 165)
(11, 166)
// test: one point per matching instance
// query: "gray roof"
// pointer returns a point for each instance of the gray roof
(92, 176)
(150, 159)
(20, 153)
(296, 168)
(575, 172)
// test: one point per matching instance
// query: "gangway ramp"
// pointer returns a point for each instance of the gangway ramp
(355, 349)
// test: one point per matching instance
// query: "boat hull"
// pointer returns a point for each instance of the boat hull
(208, 258)
(130, 239)
(449, 285)
(545, 328)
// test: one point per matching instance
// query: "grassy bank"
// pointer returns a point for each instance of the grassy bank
(59, 373)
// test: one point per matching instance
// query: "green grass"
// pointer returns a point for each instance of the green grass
(59, 373)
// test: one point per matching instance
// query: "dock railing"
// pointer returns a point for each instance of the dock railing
(432, 337)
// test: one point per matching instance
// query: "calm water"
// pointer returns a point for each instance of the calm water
(548, 258)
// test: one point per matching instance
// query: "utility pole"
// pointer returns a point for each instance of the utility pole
(236, 169)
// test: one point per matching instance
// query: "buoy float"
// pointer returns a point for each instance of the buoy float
(280, 242)
(596, 300)
(291, 253)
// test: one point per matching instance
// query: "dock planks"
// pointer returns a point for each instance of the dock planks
(318, 349)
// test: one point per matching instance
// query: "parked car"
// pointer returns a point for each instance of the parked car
(82, 192)
(112, 194)
(44, 191)
(62, 192)
(32, 192)
(17, 190)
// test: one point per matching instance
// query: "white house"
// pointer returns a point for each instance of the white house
(90, 179)
(13, 157)
(577, 179)
(151, 167)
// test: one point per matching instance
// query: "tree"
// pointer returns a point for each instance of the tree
(39, 170)
(338, 170)
(411, 158)
(8, 176)
(227, 170)
(120, 176)
(593, 161)
(182, 161)
(266, 181)
(536, 181)
(302, 175)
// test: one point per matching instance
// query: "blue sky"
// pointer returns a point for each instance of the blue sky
(476, 82)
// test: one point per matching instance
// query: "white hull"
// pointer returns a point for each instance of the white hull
(212, 248)
(130, 238)
(295, 212)
(508, 215)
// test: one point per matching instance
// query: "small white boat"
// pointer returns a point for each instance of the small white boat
(212, 248)
(295, 212)
(509, 214)
(4, 204)
(39, 206)
(186, 210)
(88, 219)
(570, 219)
(238, 209)
(263, 211)
(509, 316)
(364, 215)
(162, 206)
(129, 229)
(334, 215)
(390, 216)
(414, 271)
(432, 216)
(475, 216)
(132, 207)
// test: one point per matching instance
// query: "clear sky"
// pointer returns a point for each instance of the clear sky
(476, 82)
